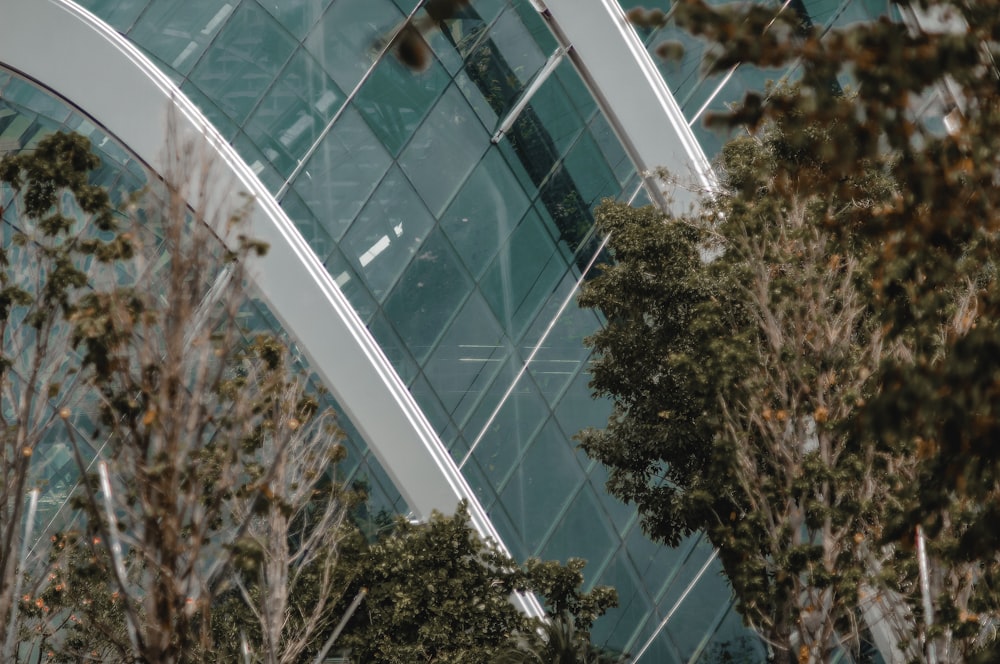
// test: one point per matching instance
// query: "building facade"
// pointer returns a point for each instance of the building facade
(429, 232)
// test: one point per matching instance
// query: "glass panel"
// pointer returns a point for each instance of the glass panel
(387, 233)
(119, 14)
(662, 649)
(611, 148)
(428, 295)
(296, 15)
(347, 280)
(504, 525)
(395, 99)
(258, 163)
(484, 213)
(468, 357)
(348, 38)
(444, 150)
(347, 166)
(622, 515)
(540, 486)
(244, 60)
(700, 610)
(578, 410)
(179, 32)
(566, 541)
(556, 112)
(523, 275)
(393, 348)
(222, 123)
(517, 46)
(294, 112)
(431, 406)
(569, 212)
(578, 93)
(314, 233)
(562, 352)
(591, 174)
(503, 437)
(617, 627)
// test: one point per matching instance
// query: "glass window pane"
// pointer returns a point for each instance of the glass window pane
(222, 123)
(347, 280)
(617, 627)
(539, 488)
(387, 233)
(428, 295)
(580, 535)
(468, 357)
(294, 112)
(591, 174)
(346, 40)
(296, 15)
(340, 176)
(244, 60)
(523, 275)
(485, 212)
(552, 107)
(314, 233)
(395, 99)
(504, 433)
(444, 150)
(178, 33)
(516, 46)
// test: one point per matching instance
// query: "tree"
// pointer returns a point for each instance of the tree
(836, 381)
(737, 345)
(437, 593)
(55, 230)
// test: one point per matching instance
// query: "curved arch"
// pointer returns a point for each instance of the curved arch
(111, 81)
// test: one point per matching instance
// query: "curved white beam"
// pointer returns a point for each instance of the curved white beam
(70, 51)
(634, 97)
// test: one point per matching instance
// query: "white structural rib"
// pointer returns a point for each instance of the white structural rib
(76, 55)
(633, 96)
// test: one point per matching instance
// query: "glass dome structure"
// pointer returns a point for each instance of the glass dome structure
(451, 207)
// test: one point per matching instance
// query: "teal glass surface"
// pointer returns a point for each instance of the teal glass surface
(523, 275)
(485, 212)
(294, 112)
(541, 485)
(427, 295)
(444, 150)
(348, 164)
(243, 61)
(395, 99)
(297, 16)
(349, 37)
(387, 233)
(467, 358)
(179, 33)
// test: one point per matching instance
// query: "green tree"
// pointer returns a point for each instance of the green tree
(56, 236)
(887, 411)
(437, 593)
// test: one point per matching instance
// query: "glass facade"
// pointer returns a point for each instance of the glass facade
(463, 255)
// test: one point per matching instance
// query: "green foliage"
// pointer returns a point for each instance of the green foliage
(848, 313)
(437, 593)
